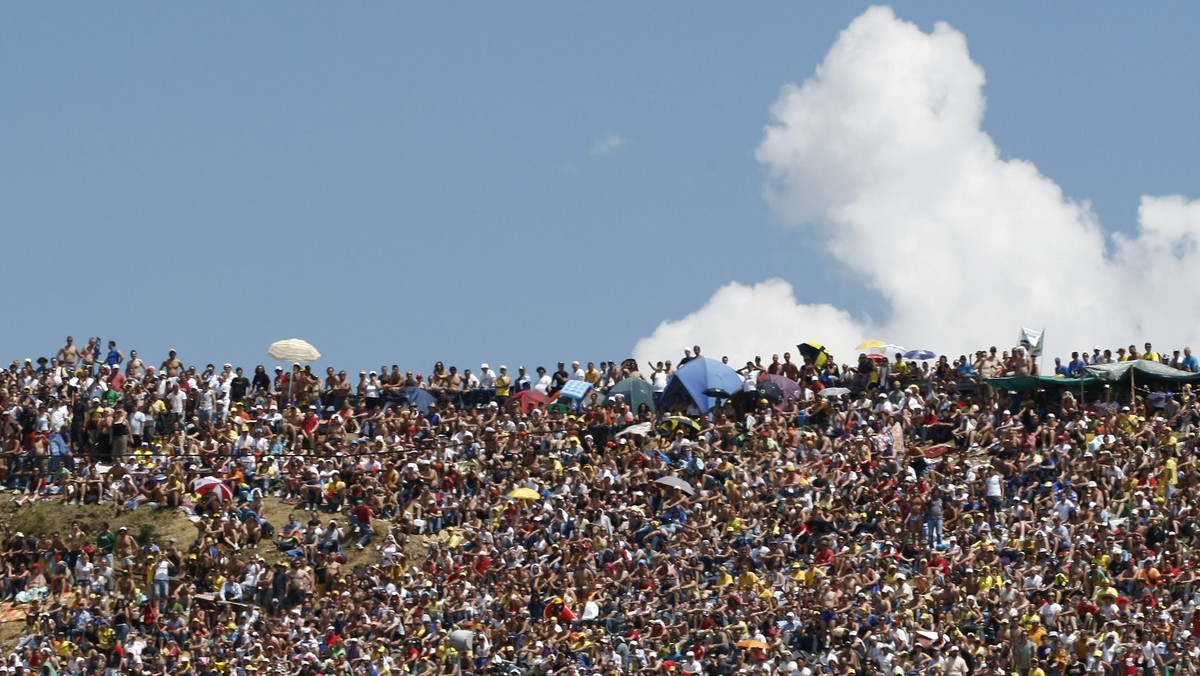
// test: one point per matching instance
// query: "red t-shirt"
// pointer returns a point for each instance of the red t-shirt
(362, 513)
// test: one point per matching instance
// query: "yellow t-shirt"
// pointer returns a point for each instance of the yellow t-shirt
(812, 575)
(988, 581)
(1170, 475)
(390, 477)
(104, 637)
(748, 580)
(503, 382)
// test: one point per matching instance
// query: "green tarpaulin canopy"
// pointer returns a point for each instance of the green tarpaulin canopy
(1143, 370)
(1099, 373)
(1022, 383)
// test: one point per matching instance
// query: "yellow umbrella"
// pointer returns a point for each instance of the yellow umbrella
(523, 493)
(293, 349)
(869, 344)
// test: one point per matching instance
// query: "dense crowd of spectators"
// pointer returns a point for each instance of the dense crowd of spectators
(888, 517)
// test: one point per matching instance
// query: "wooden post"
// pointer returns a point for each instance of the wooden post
(1132, 390)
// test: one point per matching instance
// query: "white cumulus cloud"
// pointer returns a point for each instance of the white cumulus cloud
(742, 321)
(607, 144)
(881, 157)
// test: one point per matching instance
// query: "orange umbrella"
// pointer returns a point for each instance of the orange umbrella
(752, 643)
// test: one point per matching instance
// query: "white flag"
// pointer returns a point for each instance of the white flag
(1032, 341)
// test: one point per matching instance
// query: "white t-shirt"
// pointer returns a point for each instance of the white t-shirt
(58, 418)
(83, 571)
(136, 422)
(176, 401)
(1049, 613)
(162, 570)
(1064, 508)
(993, 486)
(487, 378)
(249, 579)
(659, 381)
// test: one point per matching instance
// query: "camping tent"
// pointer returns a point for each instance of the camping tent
(698, 376)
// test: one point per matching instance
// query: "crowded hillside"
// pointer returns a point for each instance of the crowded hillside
(897, 513)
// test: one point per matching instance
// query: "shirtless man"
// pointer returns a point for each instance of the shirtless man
(333, 571)
(790, 370)
(300, 584)
(171, 365)
(988, 365)
(1022, 365)
(125, 548)
(136, 368)
(68, 354)
(75, 544)
(231, 534)
(88, 355)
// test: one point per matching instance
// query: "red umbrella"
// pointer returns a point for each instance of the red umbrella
(212, 483)
(935, 451)
(526, 400)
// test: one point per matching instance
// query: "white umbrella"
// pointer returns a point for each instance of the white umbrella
(205, 483)
(293, 349)
(676, 482)
(462, 639)
(834, 391)
(888, 350)
(212, 483)
(640, 429)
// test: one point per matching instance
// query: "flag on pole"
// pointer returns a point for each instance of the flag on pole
(1032, 341)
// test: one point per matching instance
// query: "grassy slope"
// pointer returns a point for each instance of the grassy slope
(51, 515)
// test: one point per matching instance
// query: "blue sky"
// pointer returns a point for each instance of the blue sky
(402, 183)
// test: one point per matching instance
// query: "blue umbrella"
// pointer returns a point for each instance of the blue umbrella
(920, 354)
(698, 375)
(575, 389)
